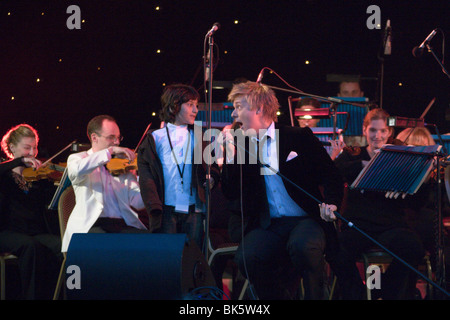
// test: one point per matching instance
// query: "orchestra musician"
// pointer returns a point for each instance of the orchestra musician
(380, 217)
(24, 230)
(284, 237)
(308, 104)
(172, 183)
(105, 203)
(311, 103)
(422, 218)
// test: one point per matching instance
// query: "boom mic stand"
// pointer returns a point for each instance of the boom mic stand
(332, 100)
(430, 49)
(349, 223)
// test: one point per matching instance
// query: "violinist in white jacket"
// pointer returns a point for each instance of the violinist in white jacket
(104, 203)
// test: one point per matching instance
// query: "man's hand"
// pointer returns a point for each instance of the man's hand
(327, 212)
(123, 153)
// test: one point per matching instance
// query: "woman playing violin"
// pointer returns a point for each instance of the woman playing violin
(23, 228)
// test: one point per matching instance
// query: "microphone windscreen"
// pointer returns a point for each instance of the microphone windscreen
(417, 52)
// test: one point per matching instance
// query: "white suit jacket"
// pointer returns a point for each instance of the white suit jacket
(84, 171)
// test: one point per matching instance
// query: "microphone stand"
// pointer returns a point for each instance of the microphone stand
(349, 223)
(439, 242)
(381, 71)
(440, 260)
(439, 62)
(209, 67)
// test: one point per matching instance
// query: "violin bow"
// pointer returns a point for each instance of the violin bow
(142, 138)
(421, 117)
(57, 154)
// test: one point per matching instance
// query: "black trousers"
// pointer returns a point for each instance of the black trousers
(114, 225)
(191, 224)
(275, 259)
(398, 283)
(39, 261)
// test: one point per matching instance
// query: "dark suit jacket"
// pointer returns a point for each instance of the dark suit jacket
(151, 178)
(312, 170)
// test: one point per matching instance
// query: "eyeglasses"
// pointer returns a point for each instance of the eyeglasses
(112, 138)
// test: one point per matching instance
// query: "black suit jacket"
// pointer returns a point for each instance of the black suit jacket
(312, 170)
(151, 178)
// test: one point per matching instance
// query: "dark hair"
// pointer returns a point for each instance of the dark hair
(96, 123)
(172, 99)
(377, 114)
(308, 102)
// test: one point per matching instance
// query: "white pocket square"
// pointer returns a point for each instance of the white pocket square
(291, 156)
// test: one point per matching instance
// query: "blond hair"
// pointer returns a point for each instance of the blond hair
(15, 135)
(257, 95)
(419, 136)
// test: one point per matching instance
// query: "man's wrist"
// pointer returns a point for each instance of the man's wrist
(110, 151)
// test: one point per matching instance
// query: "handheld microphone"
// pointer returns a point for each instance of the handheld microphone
(418, 51)
(214, 28)
(388, 44)
(208, 65)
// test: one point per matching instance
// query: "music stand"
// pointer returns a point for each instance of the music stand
(401, 170)
(63, 184)
(397, 170)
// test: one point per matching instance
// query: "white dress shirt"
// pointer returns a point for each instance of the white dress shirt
(280, 203)
(96, 192)
(177, 194)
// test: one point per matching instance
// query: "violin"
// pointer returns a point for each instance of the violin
(354, 150)
(51, 171)
(118, 166)
(47, 170)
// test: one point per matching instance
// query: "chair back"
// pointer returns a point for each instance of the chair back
(66, 204)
